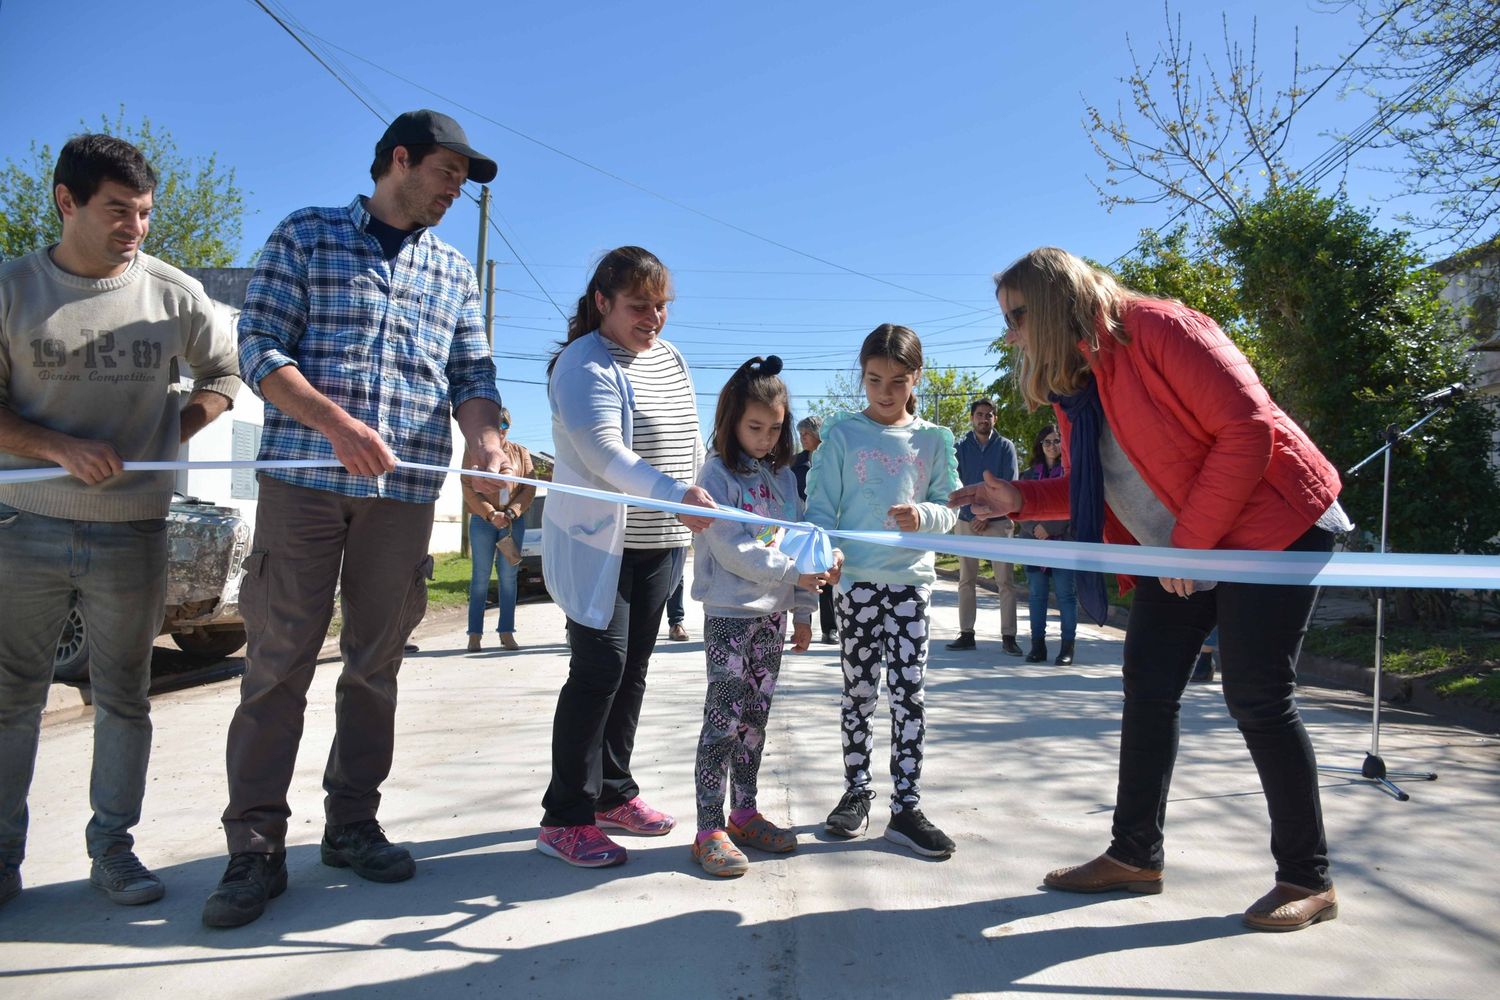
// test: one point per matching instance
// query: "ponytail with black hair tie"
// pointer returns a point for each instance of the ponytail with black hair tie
(759, 367)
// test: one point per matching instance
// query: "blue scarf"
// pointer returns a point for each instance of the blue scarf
(1086, 487)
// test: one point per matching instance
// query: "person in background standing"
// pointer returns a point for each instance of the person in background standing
(676, 610)
(497, 530)
(809, 431)
(981, 450)
(1046, 463)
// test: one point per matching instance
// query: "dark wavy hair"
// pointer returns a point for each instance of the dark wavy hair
(756, 381)
(1037, 455)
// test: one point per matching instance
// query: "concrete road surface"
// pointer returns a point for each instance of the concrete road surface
(1020, 771)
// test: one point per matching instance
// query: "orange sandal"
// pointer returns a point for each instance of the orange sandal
(762, 834)
(719, 857)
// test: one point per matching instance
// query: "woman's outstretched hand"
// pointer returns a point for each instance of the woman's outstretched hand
(994, 497)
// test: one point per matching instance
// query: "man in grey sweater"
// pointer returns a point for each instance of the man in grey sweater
(88, 332)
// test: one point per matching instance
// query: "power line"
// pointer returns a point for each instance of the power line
(616, 177)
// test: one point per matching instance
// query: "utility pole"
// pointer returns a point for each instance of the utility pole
(479, 259)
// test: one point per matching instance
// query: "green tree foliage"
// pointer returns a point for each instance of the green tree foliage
(1435, 70)
(198, 214)
(1360, 334)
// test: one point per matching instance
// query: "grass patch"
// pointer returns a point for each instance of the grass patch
(1461, 660)
(449, 586)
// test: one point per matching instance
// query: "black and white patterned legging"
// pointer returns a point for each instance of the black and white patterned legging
(878, 623)
(744, 659)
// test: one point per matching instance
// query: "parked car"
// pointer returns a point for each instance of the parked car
(529, 573)
(206, 546)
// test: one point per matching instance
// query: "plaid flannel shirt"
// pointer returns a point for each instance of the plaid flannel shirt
(398, 344)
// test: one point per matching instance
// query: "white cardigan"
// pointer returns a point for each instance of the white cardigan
(592, 428)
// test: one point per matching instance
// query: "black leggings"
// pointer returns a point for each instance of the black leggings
(593, 730)
(1260, 626)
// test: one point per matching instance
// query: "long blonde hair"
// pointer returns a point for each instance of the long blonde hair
(1067, 301)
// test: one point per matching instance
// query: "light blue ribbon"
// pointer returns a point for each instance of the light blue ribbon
(811, 547)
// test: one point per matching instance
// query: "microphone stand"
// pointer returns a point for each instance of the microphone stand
(1373, 769)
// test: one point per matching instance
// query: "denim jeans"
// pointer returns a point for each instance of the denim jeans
(482, 556)
(117, 572)
(1260, 626)
(1066, 585)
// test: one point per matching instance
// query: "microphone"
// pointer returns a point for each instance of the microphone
(1445, 396)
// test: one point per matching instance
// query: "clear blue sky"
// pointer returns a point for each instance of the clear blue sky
(926, 144)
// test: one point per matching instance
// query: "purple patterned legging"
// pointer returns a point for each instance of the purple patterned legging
(744, 658)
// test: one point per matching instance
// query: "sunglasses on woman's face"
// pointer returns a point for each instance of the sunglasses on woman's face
(1054, 442)
(1014, 316)
(505, 425)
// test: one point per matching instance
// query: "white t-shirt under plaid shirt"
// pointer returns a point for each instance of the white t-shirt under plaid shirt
(665, 435)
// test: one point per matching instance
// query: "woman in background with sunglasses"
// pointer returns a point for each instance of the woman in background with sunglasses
(497, 531)
(1171, 440)
(1046, 463)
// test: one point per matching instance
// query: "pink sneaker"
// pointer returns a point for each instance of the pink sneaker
(582, 846)
(636, 817)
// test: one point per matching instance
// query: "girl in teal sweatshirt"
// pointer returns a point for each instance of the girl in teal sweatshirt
(885, 468)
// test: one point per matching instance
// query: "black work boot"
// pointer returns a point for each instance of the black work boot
(965, 640)
(1009, 645)
(248, 882)
(1064, 655)
(363, 847)
(1038, 652)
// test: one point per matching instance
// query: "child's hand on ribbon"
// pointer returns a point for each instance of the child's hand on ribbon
(906, 516)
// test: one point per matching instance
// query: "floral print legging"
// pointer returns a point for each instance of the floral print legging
(881, 622)
(744, 659)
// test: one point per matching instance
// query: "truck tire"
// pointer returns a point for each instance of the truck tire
(70, 664)
(210, 646)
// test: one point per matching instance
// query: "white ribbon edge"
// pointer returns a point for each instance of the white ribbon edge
(1344, 569)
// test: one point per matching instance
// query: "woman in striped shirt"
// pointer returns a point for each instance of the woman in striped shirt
(624, 418)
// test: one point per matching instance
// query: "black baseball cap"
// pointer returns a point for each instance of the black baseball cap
(425, 127)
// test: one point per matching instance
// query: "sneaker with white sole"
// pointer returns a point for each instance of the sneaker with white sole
(125, 880)
(851, 816)
(583, 846)
(910, 828)
(635, 817)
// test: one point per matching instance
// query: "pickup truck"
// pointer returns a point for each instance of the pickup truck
(206, 545)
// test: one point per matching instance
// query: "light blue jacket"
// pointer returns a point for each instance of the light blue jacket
(738, 570)
(592, 431)
(862, 470)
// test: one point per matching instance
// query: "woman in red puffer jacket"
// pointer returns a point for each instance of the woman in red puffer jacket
(1171, 440)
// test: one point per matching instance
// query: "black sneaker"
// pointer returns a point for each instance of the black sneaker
(248, 882)
(965, 640)
(10, 882)
(125, 880)
(911, 829)
(852, 815)
(1009, 645)
(362, 846)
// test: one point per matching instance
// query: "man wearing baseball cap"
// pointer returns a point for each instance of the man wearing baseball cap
(362, 331)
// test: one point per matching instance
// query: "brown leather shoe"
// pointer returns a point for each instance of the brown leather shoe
(509, 641)
(473, 643)
(1105, 874)
(1290, 907)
